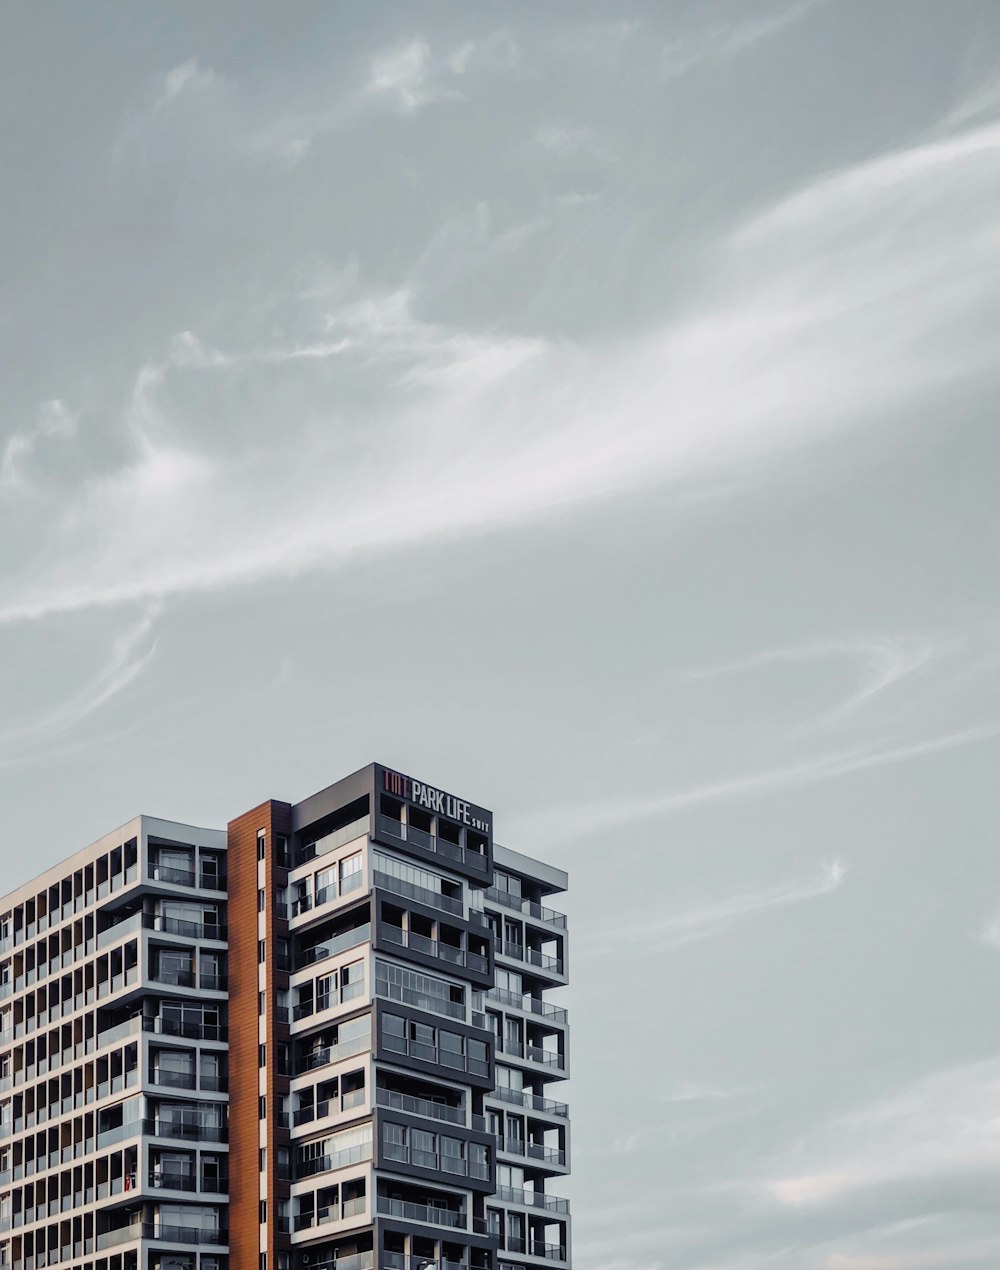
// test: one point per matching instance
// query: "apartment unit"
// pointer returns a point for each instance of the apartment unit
(319, 1039)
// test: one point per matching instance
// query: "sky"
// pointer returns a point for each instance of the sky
(589, 409)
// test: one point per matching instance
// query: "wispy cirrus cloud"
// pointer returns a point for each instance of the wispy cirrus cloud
(55, 422)
(887, 661)
(130, 653)
(722, 42)
(812, 320)
(941, 1131)
(702, 921)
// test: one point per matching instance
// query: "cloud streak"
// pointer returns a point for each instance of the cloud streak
(944, 1126)
(716, 917)
(887, 662)
(813, 320)
(130, 654)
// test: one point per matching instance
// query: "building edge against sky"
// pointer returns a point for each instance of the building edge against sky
(321, 1039)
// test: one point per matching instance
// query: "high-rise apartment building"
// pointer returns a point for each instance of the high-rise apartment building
(320, 1040)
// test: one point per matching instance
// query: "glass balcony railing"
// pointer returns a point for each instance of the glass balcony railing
(533, 1102)
(528, 907)
(420, 894)
(434, 948)
(394, 830)
(167, 873)
(420, 1106)
(438, 1215)
(334, 945)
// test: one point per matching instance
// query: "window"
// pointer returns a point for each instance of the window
(261, 901)
(507, 884)
(452, 1049)
(426, 991)
(261, 1055)
(425, 879)
(261, 952)
(509, 981)
(260, 1004)
(394, 1033)
(452, 1154)
(478, 1056)
(262, 1160)
(422, 1152)
(352, 980)
(422, 1033)
(262, 1107)
(262, 1211)
(350, 873)
(326, 885)
(394, 1142)
(261, 844)
(479, 1160)
(326, 991)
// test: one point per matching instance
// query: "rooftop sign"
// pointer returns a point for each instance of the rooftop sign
(435, 801)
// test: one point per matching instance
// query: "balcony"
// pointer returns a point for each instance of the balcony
(421, 1000)
(185, 1130)
(533, 1199)
(354, 1261)
(176, 877)
(532, 1151)
(400, 1261)
(173, 1181)
(112, 934)
(356, 1207)
(334, 945)
(521, 1098)
(326, 1107)
(178, 926)
(528, 907)
(434, 1214)
(447, 953)
(339, 1160)
(419, 1106)
(534, 1248)
(335, 840)
(419, 894)
(450, 852)
(532, 1005)
(517, 952)
(334, 1053)
(432, 1054)
(193, 1030)
(173, 1080)
(165, 1234)
(436, 1160)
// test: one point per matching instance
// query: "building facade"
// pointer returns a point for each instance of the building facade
(319, 1040)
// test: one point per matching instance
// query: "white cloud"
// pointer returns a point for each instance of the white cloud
(55, 422)
(859, 294)
(713, 918)
(568, 142)
(561, 823)
(405, 77)
(183, 78)
(887, 660)
(130, 653)
(722, 42)
(944, 1126)
(991, 932)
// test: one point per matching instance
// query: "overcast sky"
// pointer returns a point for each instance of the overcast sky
(592, 410)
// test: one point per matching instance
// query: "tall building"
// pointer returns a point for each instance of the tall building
(320, 1040)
